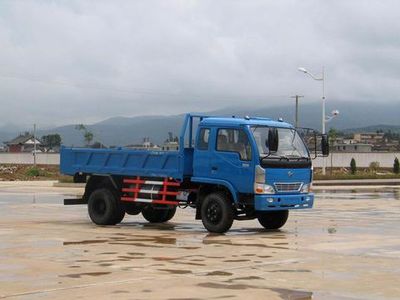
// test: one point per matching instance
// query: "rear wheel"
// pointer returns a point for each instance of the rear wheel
(217, 213)
(132, 208)
(158, 215)
(273, 219)
(104, 207)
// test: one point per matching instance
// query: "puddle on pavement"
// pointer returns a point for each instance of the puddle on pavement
(245, 278)
(154, 241)
(290, 271)
(172, 271)
(292, 294)
(230, 243)
(238, 286)
(236, 260)
(79, 275)
(219, 273)
(85, 242)
(283, 293)
(120, 292)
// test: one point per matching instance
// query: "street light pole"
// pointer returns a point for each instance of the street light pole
(323, 107)
(322, 78)
(34, 145)
(296, 120)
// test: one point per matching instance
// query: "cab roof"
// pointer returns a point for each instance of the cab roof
(233, 121)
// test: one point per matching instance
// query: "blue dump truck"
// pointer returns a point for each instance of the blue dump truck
(226, 168)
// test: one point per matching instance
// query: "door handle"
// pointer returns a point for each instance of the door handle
(214, 168)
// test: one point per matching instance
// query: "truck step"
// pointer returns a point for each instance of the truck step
(76, 201)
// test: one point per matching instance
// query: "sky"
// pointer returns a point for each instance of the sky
(65, 62)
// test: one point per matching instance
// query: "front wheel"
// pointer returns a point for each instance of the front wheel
(217, 213)
(160, 215)
(273, 219)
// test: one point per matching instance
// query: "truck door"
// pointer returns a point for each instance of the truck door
(232, 159)
(201, 161)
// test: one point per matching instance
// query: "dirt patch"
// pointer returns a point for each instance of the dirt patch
(12, 172)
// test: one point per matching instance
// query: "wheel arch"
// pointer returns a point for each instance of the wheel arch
(208, 188)
(101, 181)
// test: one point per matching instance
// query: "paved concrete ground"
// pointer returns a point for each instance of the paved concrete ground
(348, 247)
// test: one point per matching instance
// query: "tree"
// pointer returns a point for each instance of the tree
(87, 135)
(332, 134)
(374, 166)
(396, 166)
(353, 167)
(51, 140)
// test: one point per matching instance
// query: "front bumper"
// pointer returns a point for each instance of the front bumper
(283, 202)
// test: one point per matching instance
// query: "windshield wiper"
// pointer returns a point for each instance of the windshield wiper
(297, 157)
(269, 156)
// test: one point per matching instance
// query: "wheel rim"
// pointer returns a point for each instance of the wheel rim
(214, 212)
(99, 207)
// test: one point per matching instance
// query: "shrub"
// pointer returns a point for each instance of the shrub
(32, 172)
(353, 167)
(396, 167)
(374, 166)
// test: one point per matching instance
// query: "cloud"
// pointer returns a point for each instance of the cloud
(82, 61)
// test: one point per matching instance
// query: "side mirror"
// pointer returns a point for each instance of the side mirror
(273, 140)
(325, 145)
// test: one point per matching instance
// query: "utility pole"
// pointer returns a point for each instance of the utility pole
(34, 145)
(297, 109)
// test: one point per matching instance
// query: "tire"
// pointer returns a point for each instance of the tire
(132, 208)
(217, 213)
(273, 219)
(154, 215)
(104, 207)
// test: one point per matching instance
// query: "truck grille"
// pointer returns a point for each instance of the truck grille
(288, 187)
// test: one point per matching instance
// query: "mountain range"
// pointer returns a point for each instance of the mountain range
(353, 117)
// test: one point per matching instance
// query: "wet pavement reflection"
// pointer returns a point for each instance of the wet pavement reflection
(347, 247)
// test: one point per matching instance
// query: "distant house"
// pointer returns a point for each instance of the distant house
(373, 138)
(23, 143)
(353, 147)
(146, 145)
(170, 146)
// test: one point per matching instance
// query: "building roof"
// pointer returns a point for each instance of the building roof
(21, 139)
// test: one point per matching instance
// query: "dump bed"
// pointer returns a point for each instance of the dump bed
(128, 162)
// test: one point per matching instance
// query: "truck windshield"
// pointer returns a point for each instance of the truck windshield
(290, 144)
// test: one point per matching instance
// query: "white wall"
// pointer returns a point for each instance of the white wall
(339, 159)
(362, 159)
(27, 158)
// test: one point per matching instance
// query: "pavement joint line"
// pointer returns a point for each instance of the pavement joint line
(283, 262)
(82, 286)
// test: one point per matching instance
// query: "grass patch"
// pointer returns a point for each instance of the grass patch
(32, 172)
(66, 179)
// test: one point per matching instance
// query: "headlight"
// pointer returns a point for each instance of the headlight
(260, 188)
(306, 188)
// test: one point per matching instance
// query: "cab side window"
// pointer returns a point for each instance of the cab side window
(234, 140)
(203, 141)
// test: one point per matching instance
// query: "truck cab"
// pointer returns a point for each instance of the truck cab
(264, 164)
